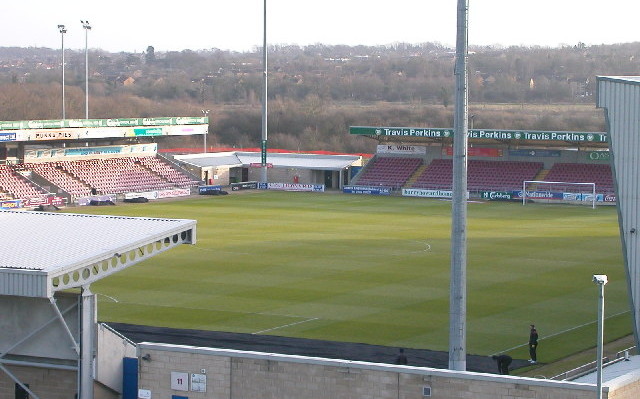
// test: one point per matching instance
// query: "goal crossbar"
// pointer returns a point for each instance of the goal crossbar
(591, 185)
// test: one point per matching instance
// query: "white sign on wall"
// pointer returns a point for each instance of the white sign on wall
(144, 394)
(179, 381)
(401, 149)
(198, 382)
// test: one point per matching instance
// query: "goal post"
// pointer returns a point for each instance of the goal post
(568, 192)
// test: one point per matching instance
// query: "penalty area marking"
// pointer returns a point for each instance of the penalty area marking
(286, 325)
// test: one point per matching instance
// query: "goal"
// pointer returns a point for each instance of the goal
(557, 191)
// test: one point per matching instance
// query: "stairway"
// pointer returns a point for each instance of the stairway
(416, 175)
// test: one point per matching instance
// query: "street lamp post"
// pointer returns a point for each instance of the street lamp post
(206, 115)
(600, 280)
(87, 27)
(62, 30)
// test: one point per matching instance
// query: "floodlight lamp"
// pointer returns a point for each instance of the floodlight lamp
(600, 279)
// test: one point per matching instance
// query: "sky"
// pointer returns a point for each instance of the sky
(133, 25)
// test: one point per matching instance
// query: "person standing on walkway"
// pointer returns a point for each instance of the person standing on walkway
(533, 344)
(402, 358)
(503, 363)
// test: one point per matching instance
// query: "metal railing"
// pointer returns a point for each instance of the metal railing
(591, 366)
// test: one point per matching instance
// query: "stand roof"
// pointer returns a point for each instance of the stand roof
(46, 252)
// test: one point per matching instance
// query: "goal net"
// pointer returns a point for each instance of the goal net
(556, 191)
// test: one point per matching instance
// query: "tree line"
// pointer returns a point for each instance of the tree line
(316, 92)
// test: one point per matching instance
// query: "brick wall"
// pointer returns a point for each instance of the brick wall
(46, 383)
(246, 375)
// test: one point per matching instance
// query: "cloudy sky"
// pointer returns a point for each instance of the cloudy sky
(133, 25)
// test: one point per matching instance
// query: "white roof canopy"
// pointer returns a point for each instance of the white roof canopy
(278, 160)
(46, 252)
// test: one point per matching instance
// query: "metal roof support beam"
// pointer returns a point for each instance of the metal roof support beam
(38, 364)
(17, 381)
(87, 274)
(34, 332)
(3, 362)
(64, 324)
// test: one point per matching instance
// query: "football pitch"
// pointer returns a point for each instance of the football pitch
(376, 270)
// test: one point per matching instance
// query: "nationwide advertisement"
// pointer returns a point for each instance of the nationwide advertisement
(367, 190)
(547, 195)
(562, 196)
(291, 187)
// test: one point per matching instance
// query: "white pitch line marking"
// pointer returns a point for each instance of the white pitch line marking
(561, 332)
(286, 325)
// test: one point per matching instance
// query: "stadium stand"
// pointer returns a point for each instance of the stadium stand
(437, 175)
(166, 171)
(116, 175)
(16, 186)
(481, 175)
(389, 171)
(55, 174)
(93, 176)
(600, 174)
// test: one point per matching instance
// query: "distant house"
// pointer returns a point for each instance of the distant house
(579, 86)
(125, 80)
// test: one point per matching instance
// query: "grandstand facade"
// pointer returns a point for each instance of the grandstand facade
(427, 170)
(78, 161)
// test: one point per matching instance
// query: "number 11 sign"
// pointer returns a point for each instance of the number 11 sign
(179, 381)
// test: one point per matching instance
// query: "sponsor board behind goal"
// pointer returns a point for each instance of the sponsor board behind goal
(371, 190)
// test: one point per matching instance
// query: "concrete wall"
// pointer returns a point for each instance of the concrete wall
(285, 175)
(246, 375)
(112, 349)
(216, 175)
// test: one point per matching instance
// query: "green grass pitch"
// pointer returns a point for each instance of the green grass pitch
(376, 270)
